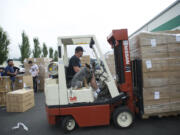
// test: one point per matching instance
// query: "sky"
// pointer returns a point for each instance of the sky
(49, 19)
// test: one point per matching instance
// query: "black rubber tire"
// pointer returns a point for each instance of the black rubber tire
(65, 123)
(123, 111)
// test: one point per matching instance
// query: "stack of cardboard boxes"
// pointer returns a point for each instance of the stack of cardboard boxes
(5, 87)
(160, 56)
(85, 60)
(110, 62)
(42, 63)
(19, 100)
(18, 82)
(21, 81)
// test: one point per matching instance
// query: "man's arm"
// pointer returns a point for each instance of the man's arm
(75, 64)
(11, 74)
(36, 69)
(76, 68)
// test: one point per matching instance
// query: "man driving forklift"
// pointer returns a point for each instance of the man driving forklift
(75, 67)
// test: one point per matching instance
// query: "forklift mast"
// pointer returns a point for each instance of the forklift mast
(118, 40)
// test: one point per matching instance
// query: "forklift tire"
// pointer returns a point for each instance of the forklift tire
(123, 117)
(68, 124)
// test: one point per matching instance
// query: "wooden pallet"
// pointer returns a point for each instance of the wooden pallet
(160, 115)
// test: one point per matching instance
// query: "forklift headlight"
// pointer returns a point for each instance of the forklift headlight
(53, 68)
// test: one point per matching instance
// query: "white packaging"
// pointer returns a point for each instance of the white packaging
(148, 64)
(38, 81)
(20, 81)
(156, 95)
(178, 37)
(24, 85)
(153, 42)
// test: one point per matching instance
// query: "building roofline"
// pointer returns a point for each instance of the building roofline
(165, 10)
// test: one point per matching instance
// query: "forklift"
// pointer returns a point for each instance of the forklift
(79, 107)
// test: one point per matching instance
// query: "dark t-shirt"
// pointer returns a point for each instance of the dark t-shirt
(11, 70)
(74, 61)
(1, 73)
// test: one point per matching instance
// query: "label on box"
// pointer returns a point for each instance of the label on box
(153, 42)
(148, 64)
(24, 85)
(178, 37)
(20, 81)
(156, 95)
(38, 81)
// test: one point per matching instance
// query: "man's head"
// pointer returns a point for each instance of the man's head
(10, 62)
(1, 70)
(30, 63)
(79, 51)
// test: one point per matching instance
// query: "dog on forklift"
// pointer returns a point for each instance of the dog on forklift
(79, 107)
(84, 74)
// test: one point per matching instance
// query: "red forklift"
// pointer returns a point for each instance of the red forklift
(78, 107)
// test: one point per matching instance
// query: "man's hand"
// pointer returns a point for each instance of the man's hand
(76, 69)
(11, 74)
(15, 73)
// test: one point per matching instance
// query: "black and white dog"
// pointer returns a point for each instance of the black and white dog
(85, 73)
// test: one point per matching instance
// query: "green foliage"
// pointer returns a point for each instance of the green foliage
(44, 50)
(4, 43)
(51, 52)
(24, 47)
(56, 55)
(37, 48)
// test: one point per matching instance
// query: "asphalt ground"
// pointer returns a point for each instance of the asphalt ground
(36, 121)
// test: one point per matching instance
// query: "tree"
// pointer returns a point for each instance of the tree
(24, 47)
(56, 55)
(37, 48)
(51, 52)
(4, 43)
(44, 50)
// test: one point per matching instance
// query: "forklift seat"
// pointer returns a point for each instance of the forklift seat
(68, 77)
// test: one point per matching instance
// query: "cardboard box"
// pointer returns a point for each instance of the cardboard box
(19, 100)
(175, 104)
(41, 83)
(174, 64)
(155, 64)
(19, 82)
(174, 91)
(159, 51)
(174, 50)
(155, 79)
(5, 84)
(156, 109)
(27, 81)
(156, 93)
(85, 60)
(174, 77)
(42, 63)
(3, 98)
